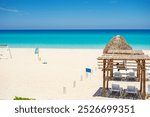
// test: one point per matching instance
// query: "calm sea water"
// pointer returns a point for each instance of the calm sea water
(138, 39)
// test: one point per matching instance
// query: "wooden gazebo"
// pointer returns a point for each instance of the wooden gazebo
(116, 51)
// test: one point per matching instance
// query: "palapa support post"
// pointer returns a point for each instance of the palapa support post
(109, 67)
(107, 84)
(144, 80)
(104, 90)
(107, 78)
(111, 70)
(141, 77)
(138, 70)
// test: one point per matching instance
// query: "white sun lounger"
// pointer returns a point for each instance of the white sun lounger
(132, 90)
(116, 88)
(117, 76)
(131, 76)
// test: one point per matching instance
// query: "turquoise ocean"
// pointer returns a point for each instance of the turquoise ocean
(93, 39)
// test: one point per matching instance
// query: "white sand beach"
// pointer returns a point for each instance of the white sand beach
(25, 76)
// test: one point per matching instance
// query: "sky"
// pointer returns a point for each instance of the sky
(74, 14)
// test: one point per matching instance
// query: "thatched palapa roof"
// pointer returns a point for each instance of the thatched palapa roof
(119, 49)
(117, 43)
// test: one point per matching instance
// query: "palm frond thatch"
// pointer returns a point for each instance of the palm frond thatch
(117, 43)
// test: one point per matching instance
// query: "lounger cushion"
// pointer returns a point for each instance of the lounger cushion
(131, 89)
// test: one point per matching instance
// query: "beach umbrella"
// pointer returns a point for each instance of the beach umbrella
(117, 43)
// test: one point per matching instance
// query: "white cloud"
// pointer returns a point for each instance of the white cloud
(8, 10)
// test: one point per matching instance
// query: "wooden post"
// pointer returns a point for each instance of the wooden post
(141, 77)
(107, 78)
(74, 84)
(81, 79)
(144, 80)
(64, 90)
(9, 52)
(104, 63)
(138, 70)
(111, 70)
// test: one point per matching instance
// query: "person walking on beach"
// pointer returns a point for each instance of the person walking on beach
(36, 52)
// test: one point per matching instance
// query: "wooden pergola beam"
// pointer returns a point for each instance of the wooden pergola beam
(125, 65)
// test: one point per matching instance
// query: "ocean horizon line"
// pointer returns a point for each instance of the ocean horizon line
(74, 29)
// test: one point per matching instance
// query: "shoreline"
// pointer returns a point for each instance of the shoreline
(72, 46)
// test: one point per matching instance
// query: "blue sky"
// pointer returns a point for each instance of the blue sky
(74, 14)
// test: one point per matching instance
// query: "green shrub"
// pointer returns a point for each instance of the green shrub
(23, 98)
